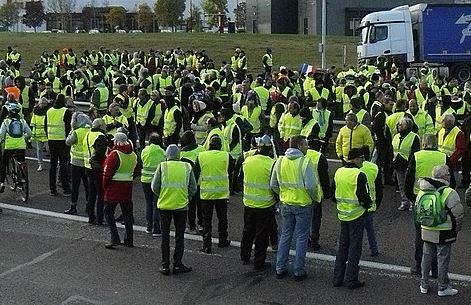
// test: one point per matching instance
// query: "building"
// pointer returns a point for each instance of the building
(304, 16)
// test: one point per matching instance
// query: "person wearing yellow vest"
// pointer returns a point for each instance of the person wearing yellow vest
(57, 125)
(54, 80)
(353, 135)
(13, 132)
(252, 112)
(310, 127)
(15, 58)
(290, 123)
(234, 62)
(242, 64)
(322, 189)
(199, 120)
(80, 127)
(362, 115)
(114, 119)
(119, 170)
(95, 146)
(317, 92)
(438, 239)
(325, 119)
(391, 120)
(173, 120)
(351, 194)
(151, 156)
(149, 116)
(405, 144)
(425, 97)
(173, 184)
(126, 108)
(422, 120)
(259, 203)
(212, 169)
(38, 132)
(231, 131)
(267, 61)
(189, 153)
(262, 93)
(100, 95)
(375, 186)
(163, 80)
(451, 142)
(293, 179)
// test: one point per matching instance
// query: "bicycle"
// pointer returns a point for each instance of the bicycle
(17, 177)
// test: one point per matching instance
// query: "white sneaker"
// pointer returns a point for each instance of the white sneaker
(448, 292)
(40, 168)
(423, 290)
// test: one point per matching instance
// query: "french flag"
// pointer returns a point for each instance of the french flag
(306, 68)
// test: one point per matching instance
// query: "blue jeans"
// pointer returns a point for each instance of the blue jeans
(295, 220)
(370, 232)
(152, 215)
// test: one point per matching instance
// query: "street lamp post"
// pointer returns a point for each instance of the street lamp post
(324, 30)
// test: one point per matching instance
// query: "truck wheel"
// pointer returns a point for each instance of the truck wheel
(463, 73)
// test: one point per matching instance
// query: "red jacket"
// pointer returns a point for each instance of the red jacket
(117, 191)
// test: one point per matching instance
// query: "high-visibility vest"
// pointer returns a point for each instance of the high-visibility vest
(214, 177)
(76, 151)
(37, 126)
(242, 63)
(361, 115)
(234, 63)
(108, 119)
(316, 96)
(191, 155)
(420, 98)
(306, 131)
(143, 112)
(289, 126)
(447, 143)
(56, 84)
(127, 112)
(257, 173)
(79, 85)
(269, 59)
(439, 116)
(200, 135)
(71, 60)
(93, 59)
(216, 132)
(348, 205)
(401, 96)
(104, 95)
(263, 95)
(127, 163)
(289, 174)
(371, 171)
(227, 132)
(425, 161)
(174, 180)
(164, 82)
(404, 147)
(169, 121)
(55, 123)
(273, 118)
(15, 57)
(315, 156)
(424, 123)
(25, 97)
(151, 157)
(252, 116)
(391, 122)
(12, 143)
(448, 224)
(88, 149)
(323, 126)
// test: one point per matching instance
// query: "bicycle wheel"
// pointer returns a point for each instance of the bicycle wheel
(23, 181)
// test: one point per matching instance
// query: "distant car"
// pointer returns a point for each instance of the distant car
(121, 31)
(135, 31)
(46, 32)
(79, 31)
(94, 31)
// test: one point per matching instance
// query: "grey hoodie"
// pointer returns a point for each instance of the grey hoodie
(309, 178)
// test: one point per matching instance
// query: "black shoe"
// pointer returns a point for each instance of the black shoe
(206, 250)
(299, 278)
(72, 210)
(53, 193)
(119, 219)
(316, 247)
(355, 285)
(128, 244)
(181, 269)
(112, 245)
(224, 244)
(164, 270)
(67, 193)
(434, 275)
(262, 267)
(374, 253)
(282, 274)
(91, 219)
(338, 283)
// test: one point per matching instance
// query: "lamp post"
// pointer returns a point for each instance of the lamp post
(324, 30)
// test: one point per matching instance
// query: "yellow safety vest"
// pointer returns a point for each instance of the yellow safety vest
(425, 161)
(55, 123)
(315, 156)
(447, 144)
(127, 163)
(169, 121)
(151, 157)
(227, 132)
(108, 119)
(174, 181)
(371, 171)
(348, 205)
(191, 155)
(257, 173)
(88, 149)
(216, 132)
(252, 116)
(391, 122)
(25, 97)
(315, 96)
(289, 126)
(273, 119)
(290, 175)
(214, 177)
(76, 151)
(12, 143)
(403, 148)
(143, 112)
(104, 95)
(306, 131)
(201, 135)
(263, 95)
(37, 126)
(323, 125)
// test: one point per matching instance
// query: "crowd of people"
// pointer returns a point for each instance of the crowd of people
(197, 132)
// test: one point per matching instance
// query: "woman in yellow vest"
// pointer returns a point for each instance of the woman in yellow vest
(252, 112)
(39, 134)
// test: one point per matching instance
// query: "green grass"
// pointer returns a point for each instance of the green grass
(288, 50)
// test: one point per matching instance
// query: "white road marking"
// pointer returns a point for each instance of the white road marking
(80, 298)
(33, 262)
(311, 255)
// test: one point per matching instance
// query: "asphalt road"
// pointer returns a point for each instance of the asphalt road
(81, 269)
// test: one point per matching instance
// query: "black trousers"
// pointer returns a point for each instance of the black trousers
(95, 195)
(195, 215)
(316, 222)
(207, 207)
(466, 169)
(258, 224)
(59, 155)
(126, 209)
(179, 221)
(78, 175)
(132, 131)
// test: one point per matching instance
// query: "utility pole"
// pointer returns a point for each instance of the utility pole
(191, 16)
(324, 30)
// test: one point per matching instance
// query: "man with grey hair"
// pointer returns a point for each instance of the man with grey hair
(174, 184)
(438, 238)
(451, 142)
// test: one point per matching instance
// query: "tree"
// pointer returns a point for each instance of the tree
(169, 12)
(193, 22)
(240, 13)
(9, 14)
(145, 17)
(213, 7)
(34, 15)
(64, 8)
(115, 17)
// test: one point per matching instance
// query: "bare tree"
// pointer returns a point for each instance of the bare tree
(64, 8)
